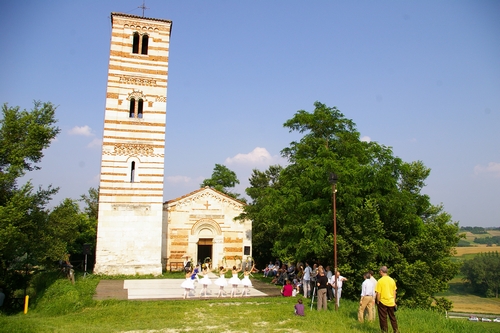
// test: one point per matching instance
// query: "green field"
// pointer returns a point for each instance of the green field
(63, 307)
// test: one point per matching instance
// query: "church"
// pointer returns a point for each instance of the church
(137, 232)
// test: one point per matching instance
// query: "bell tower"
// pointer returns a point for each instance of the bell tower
(129, 232)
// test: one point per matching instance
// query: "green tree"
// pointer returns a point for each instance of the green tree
(382, 216)
(483, 273)
(223, 180)
(28, 237)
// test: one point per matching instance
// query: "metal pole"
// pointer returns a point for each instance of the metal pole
(334, 189)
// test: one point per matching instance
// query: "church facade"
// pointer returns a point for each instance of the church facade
(137, 232)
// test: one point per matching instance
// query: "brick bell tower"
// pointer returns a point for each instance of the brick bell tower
(129, 232)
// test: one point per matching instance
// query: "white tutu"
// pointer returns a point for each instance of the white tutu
(221, 281)
(188, 284)
(246, 281)
(234, 280)
(205, 280)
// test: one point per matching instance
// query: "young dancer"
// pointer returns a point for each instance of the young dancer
(246, 281)
(221, 281)
(205, 281)
(234, 281)
(188, 284)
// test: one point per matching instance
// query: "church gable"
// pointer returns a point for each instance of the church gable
(202, 225)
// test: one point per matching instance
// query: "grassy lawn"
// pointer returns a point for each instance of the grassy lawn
(62, 307)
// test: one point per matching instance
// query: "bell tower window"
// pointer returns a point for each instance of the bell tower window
(140, 43)
(132, 171)
(136, 109)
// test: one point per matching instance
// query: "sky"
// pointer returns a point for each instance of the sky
(422, 77)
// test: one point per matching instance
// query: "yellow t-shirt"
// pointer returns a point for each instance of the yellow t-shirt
(386, 287)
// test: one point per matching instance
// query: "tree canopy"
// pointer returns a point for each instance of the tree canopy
(382, 216)
(482, 274)
(223, 180)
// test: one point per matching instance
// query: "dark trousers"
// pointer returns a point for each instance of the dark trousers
(329, 292)
(383, 311)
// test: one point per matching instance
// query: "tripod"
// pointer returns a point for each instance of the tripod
(315, 289)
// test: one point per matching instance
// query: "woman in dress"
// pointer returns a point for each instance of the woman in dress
(205, 281)
(221, 281)
(246, 281)
(234, 281)
(188, 284)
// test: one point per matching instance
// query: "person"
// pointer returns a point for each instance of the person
(374, 282)
(386, 300)
(306, 283)
(339, 280)
(246, 281)
(314, 273)
(299, 308)
(188, 284)
(287, 289)
(367, 296)
(329, 292)
(205, 281)
(221, 281)
(321, 282)
(2, 297)
(268, 270)
(234, 281)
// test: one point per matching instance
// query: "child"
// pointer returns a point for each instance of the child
(188, 284)
(246, 281)
(221, 281)
(205, 281)
(234, 281)
(299, 308)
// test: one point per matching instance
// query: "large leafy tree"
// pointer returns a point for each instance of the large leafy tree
(223, 180)
(382, 216)
(27, 235)
(483, 273)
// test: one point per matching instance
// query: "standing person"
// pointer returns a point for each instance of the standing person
(234, 281)
(386, 300)
(188, 284)
(329, 275)
(374, 282)
(339, 280)
(246, 281)
(306, 284)
(367, 296)
(321, 282)
(221, 281)
(314, 273)
(299, 308)
(205, 281)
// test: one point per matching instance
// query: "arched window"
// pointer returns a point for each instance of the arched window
(132, 171)
(144, 46)
(132, 108)
(135, 44)
(140, 106)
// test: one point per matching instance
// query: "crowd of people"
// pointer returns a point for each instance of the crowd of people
(320, 282)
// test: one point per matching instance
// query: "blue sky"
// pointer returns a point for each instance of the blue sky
(422, 77)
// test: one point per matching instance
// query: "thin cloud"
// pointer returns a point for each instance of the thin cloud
(95, 143)
(177, 179)
(258, 156)
(366, 139)
(493, 168)
(81, 130)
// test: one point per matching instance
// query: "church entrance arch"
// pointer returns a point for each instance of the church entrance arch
(205, 230)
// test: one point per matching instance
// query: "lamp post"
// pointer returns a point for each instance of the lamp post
(333, 180)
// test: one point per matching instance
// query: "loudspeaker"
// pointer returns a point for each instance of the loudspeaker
(87, 249)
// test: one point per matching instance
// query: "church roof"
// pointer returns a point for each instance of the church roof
(138, 17)
(203, 189)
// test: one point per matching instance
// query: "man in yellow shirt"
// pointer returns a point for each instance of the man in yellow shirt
(386, 300)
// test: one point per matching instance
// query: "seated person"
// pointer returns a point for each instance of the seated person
(287, 289)
(276, 278)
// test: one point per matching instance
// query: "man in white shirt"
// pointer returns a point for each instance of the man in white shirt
(367, 297)
(340, 280)
(306, 285)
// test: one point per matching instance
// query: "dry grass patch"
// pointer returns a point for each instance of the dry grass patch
(480, 248)
(475, 304)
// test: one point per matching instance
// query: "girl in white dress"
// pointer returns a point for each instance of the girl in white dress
(246, 281)
(188, 284)
(221, 281)
(234, 281)
(205, 281)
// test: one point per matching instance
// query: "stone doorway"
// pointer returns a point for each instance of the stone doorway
(205, 249)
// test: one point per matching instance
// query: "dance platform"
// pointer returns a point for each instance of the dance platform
(162, 289)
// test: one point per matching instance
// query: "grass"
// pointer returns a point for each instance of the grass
(479, 248)
(63, 307)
